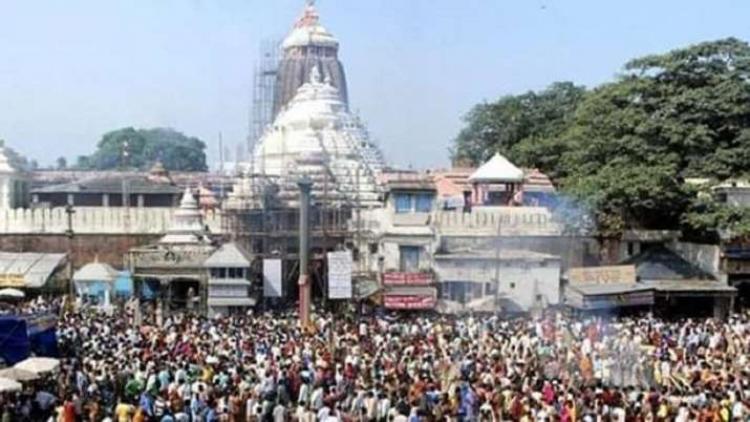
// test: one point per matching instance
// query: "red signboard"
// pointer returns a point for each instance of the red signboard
(407, 279)
(410, 302)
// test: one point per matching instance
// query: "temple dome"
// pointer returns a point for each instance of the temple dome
(309, 32)
(308, 45)
(187, 223)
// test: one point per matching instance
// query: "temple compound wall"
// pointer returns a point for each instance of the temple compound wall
(95, 220)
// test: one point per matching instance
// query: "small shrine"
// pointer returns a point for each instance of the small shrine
(172, 270)
(498, 182)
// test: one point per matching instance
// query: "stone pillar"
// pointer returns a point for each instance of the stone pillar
(4, 193)
(304, 238)
(105, 200)
(141, 201)
(71, 199)
(721, 307)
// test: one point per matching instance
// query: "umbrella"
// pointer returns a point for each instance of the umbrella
(38, 365)
(16, 374)
(13, 293)
(8, 385)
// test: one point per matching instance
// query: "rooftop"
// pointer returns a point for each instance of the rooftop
(660, 263)
(229, 255)
(113, 184)
(407, 181)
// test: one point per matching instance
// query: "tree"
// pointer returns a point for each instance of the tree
(61, 163)
(518, 125)
(625, 148)
(682, 114)
(131, 148)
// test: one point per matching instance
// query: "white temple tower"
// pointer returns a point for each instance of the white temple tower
(187, 226)
(308, 45)
(317, 137)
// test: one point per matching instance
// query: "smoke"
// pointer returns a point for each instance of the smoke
(575, 217)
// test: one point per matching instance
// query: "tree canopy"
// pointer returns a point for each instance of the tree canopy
(625, 148)
(141, 148)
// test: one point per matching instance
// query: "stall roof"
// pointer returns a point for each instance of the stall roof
(609, 288)
(660, 263)
(690, 286)
(34, 268)
(608, 296)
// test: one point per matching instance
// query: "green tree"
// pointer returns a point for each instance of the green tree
(61, 163)
(140, 148)
(625, 148)
(682, 114)
(519, 126)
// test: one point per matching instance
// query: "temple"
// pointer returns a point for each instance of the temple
(315, 136)
(307, 46)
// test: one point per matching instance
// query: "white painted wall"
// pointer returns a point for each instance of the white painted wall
(95, 220)
(519, 280)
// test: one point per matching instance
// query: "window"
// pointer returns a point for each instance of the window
(373, 248)
(403, 203)
(490, 288)
(409, 258)
(413, 202)
(512, 286)
(424, 202)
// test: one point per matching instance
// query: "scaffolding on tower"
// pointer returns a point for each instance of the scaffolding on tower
(264, 88)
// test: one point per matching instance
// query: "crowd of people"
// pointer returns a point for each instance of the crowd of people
(265, 367)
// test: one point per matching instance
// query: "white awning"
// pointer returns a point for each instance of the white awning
(231, 301)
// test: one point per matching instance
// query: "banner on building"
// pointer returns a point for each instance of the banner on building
(340, 275)
(12, 280)
(272, 286)
(409, 302)
(406, 279)
(620, 274)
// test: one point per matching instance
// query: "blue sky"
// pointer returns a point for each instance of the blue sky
(71, 70)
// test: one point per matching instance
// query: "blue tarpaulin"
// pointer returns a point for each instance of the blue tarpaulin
(14, 340)
(21, 335)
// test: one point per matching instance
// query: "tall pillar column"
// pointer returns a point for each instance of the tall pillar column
(304, 237)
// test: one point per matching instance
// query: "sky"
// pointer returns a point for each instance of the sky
(71, 70)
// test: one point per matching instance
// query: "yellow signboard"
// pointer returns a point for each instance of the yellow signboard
(602, 275)
(12, 280)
